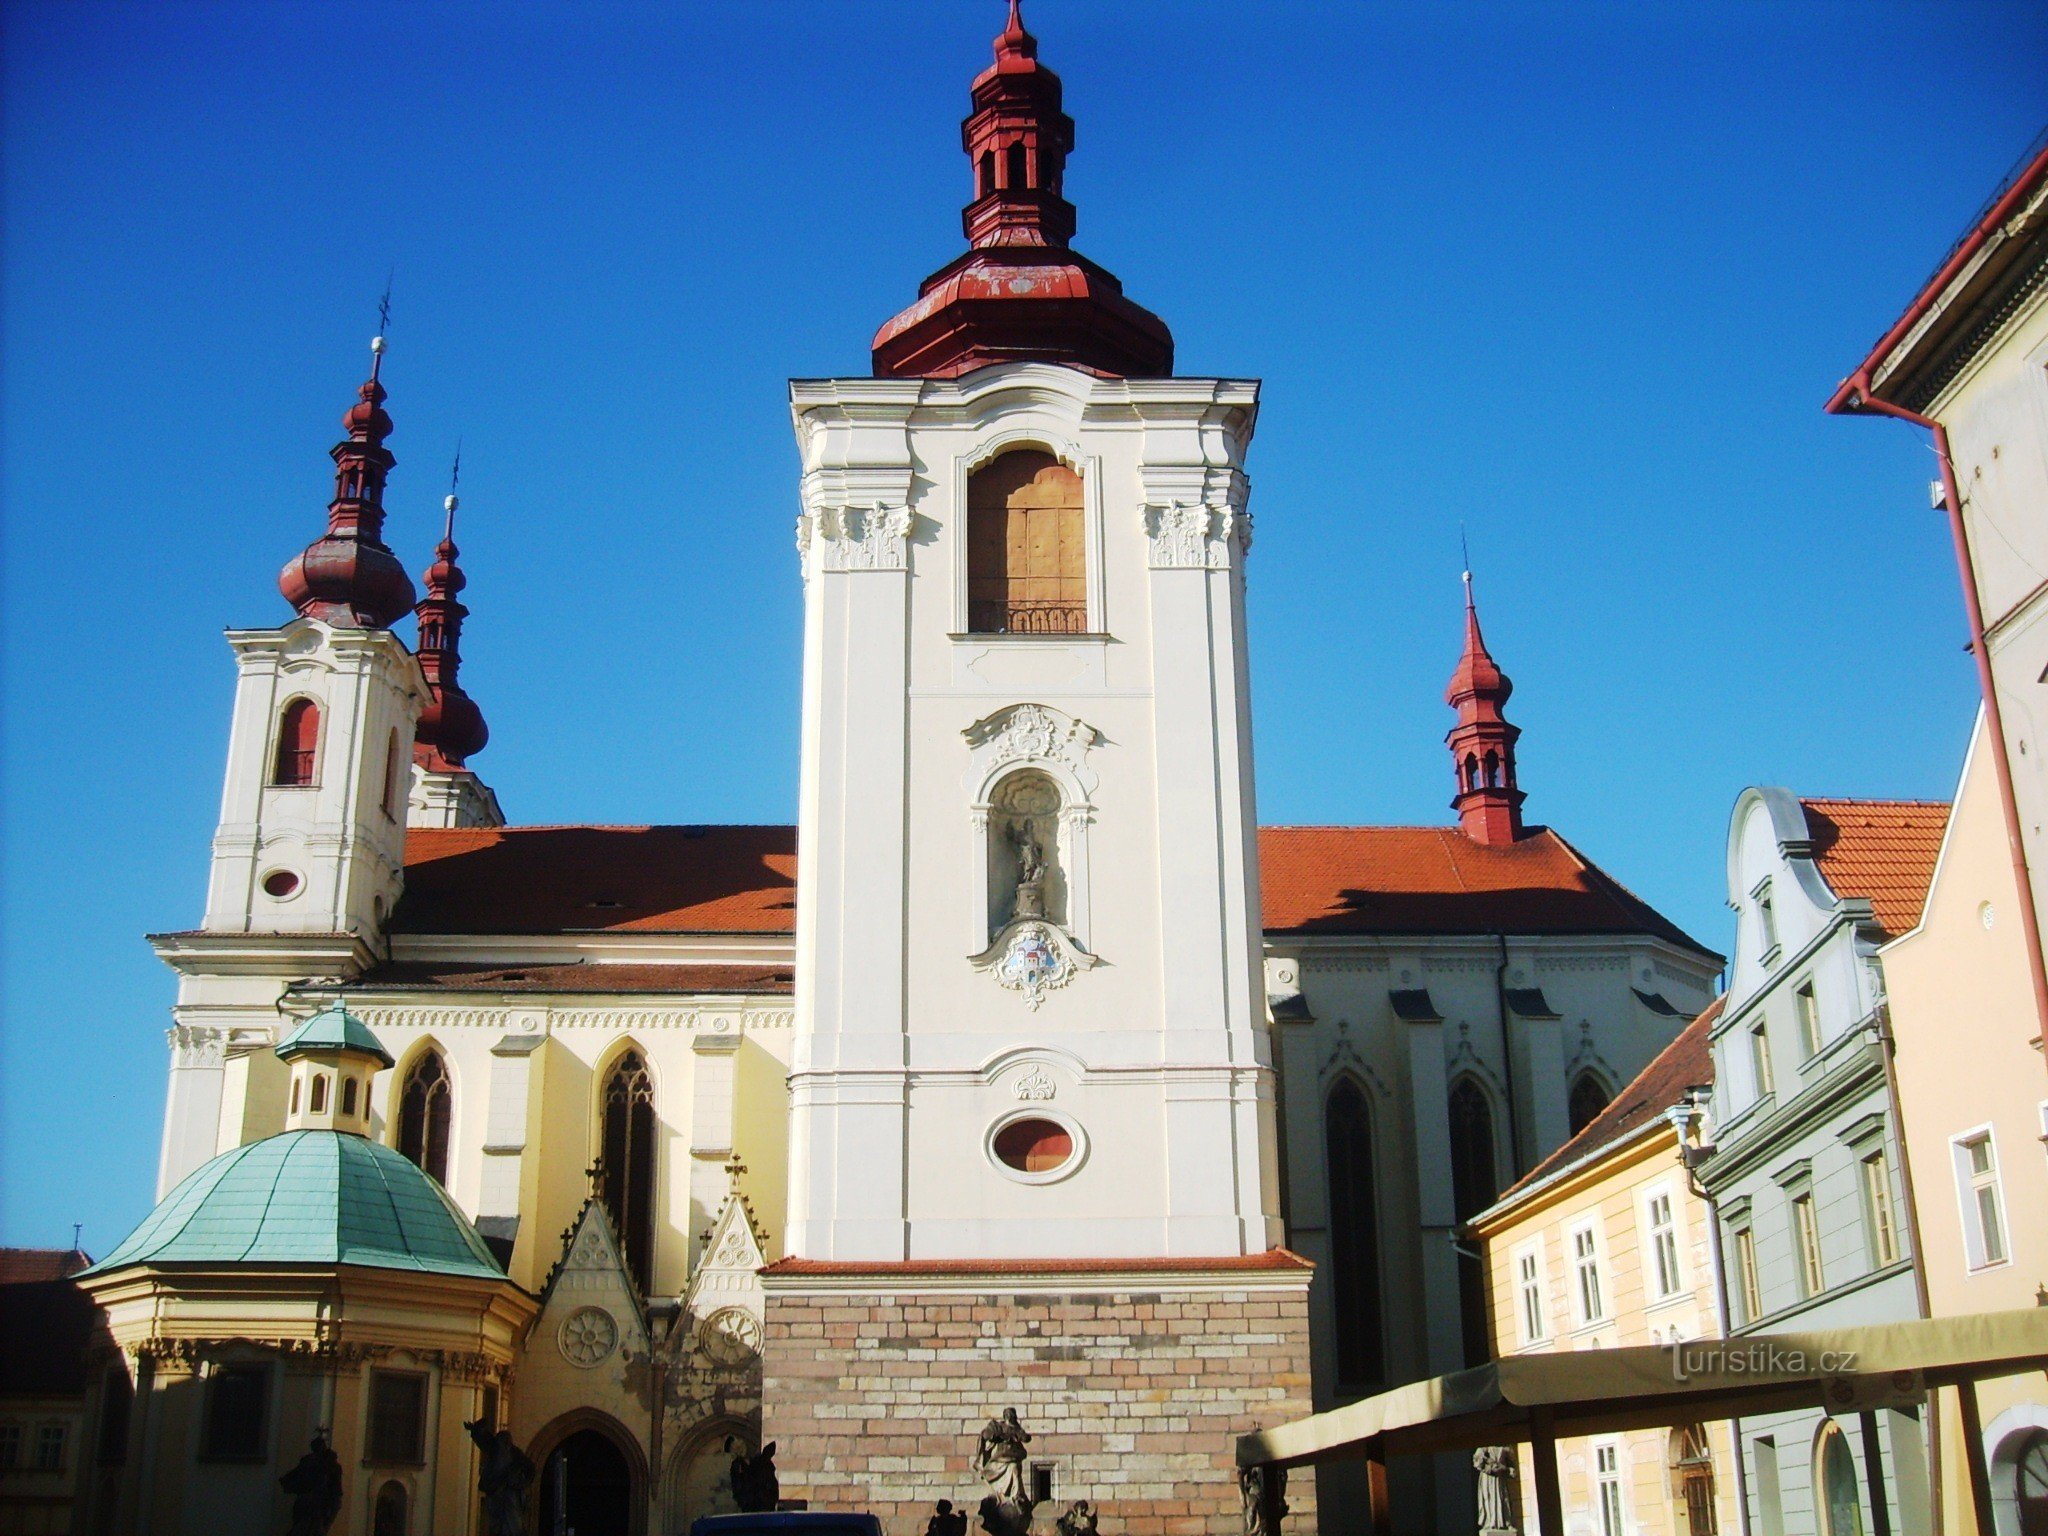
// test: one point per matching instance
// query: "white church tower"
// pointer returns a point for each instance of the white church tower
(1032, 1052)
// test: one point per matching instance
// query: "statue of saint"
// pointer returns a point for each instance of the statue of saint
(503, 1478)
(999, 1458)
(1079, 1520)
(755, 1487)
(1030, 872)
(315, 1487)
(1495, 1465)
(1265, 1499)
(946, 1520)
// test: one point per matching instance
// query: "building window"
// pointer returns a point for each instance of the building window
(50, 1448)
(1663, 1228)
(398, 1417)
(1473, 1188)
(1877, 1209)
(348, 1095)
(1354, 1236)
(1746, 1273)
(298, 744)
(388, 1519)
(117, 1402)
(1834, 1476)
(10, 1447)
(1607, 1488)
(1767, 919)
(1982, 1199)
(1806, 1238)
(319, 1105)
(1809, 1019)
(1588, 1097)
(394, 782)
(627, 1184)
(1026, 547)
(1760, 1059)
(1041, 1482)
(237, 1399)
(1529, 1293)
(1692, 1470)
(1033, 1145)
(1586, 1276)
(424, 1105)
(2030, 1478)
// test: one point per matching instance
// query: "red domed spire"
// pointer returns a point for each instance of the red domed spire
(346, 576)
(1482, 743)
(1020, 293)
(451, 727)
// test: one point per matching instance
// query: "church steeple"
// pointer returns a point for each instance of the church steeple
(451, 727)
(1482, 743)
(1020, 293)
(347, 577)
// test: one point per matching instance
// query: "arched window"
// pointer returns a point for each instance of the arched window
(298, 744)
(295, 1095)
(1026, 554)
(348, 1095)
(1019, 176)
(319, 1105)
(1588, 1097)
(394, 778)
(1692, 1479)
(1839, 1502)
(2030, 1483)
(985, 174)
(1354, 1237)
(423, 1109)
(1474, 1184)
(627, 1185)
(1493, 770)
(389, 1517)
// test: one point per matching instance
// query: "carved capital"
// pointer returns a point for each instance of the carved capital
(865, 538)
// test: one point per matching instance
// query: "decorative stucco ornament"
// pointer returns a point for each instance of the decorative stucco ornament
(731, 1335)
(588, 1336)
(1035, 1085)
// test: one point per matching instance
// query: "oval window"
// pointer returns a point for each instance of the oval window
(1034, 1146)
(280, 883)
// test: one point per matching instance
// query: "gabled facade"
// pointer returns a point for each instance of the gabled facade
(1805, 1177)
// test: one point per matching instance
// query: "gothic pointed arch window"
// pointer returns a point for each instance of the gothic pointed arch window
(298, 745)
(425, 1105)
(1589, 1096)
(1474, 1184)
(1354, 1236)
(1026, 547)
(627, 1181)
(394, 778)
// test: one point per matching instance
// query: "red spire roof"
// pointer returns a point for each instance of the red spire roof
(347, 576)
(451, 727)
(1482, 743)
(1020, 293)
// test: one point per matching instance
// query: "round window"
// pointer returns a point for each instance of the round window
(280, 883)
(1034, 1146)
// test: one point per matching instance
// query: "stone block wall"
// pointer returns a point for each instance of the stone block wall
(1133, 1395)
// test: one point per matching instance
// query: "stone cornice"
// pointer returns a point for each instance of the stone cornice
(202, 953)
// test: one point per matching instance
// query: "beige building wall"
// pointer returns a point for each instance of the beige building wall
(1608, 1197)
(1970, 1073)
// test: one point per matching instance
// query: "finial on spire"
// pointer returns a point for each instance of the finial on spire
(1482, 743)
(451, 728)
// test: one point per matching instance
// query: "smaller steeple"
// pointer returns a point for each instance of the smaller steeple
(347, 577)
(333, 1055)
(1482, 743)
(451, 727)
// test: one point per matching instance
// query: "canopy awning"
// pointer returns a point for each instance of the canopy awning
(1601, 1391)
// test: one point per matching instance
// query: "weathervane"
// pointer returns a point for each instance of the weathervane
(383, 325)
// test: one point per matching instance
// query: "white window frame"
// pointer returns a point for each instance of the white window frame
(1766, 920)
(1610, 1488)
(1806, 1009)
(1653, 1251)
(1530, 1285)
(1762, 1070)
(1593, 1257)
(1971, 1186)
(1809, 1264)
(1880, 1211)
(1749, 1278)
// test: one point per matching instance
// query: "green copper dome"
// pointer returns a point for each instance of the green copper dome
(333, 1028)
(308, 1197)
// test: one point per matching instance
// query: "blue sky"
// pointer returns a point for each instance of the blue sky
(1575, 276)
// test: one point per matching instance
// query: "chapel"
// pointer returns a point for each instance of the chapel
(1023, 1070)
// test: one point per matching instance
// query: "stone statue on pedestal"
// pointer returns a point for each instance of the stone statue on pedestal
(315, 1487)
(1495, 1465)
(946, 1520)
(999, 1458)
(503, 1479)
(1265, 1499)
(1079, 1520)
(1030, 872)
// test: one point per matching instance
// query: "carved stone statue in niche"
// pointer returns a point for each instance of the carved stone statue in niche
(1025, 880)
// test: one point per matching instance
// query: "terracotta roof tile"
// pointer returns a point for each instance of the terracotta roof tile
(422, 976)
(24, 1266)
(1686, 1062)
(1398, 880)
(1880, 850)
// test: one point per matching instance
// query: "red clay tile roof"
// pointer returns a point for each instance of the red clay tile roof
(411, 975)
(48, 1326)
(1881, 850)
(25, 1266)
(602, 879)
(1399, 880)
(1271, 1259)
(1318, 880)
(1686, 1062)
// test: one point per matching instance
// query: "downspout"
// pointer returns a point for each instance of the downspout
(1888, 1046)
(1856, 395)
(1717, 1257)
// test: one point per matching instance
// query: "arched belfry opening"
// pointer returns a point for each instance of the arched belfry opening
(1026, 867)
(1027, 562)
(1354, 1236)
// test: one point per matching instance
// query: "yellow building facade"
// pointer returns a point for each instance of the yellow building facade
(1973, 1099)
(1604, 1245)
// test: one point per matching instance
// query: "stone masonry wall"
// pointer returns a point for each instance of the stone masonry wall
(1135, 1397)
